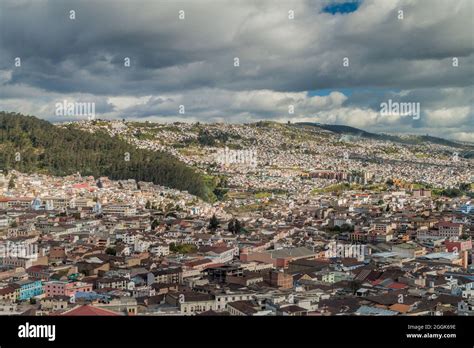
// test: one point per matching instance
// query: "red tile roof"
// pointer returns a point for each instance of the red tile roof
(7, 290)
(397, 286)
(81, 185)
(198, 262)
(86, 310)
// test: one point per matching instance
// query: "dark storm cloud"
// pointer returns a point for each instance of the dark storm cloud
(86, 54)
(191, 61)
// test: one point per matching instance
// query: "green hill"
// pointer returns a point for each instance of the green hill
(46, 148)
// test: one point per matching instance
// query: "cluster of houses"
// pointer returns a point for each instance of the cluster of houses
(83, 246)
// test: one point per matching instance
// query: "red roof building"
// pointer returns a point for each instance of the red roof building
(87, 310)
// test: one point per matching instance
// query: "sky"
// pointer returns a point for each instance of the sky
(330, 61)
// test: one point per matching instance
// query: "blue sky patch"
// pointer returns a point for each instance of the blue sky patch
(344, 7)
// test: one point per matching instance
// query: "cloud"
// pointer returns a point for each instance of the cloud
(449, 117)
(191, 61)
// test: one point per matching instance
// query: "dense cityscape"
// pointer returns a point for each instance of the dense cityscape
(303, 221)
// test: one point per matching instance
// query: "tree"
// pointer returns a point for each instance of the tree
(231, 226)
(213, 223)
(111, 251)
(182, 248)
(148, 205)
(347, 228)
(11, 183)
(236, 226)
(155, 224)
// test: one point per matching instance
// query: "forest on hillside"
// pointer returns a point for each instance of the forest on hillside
(28, 144)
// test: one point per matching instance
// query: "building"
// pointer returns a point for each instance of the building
(280, 257)
(409, 250)
(191, 302)
(54, 303)
(119, 209)
(9, 293)
(88, 310)
(449, 230)
(63, 288)
(246, 308)
(29, 288)
(421, 193)
(280, 279)
(222, 299)
(219, 274)
(166, 275)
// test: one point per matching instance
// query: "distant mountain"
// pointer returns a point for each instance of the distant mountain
(43, 147)
(467, 150)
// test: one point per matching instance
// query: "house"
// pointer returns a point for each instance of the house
(220, 273)
(92, 268)
(449, 229)
(246, 308)
(466, 307)
(112, 283)
(222, 299)
(408, 250)
(292, 310)
(280, 279)
(54, 303)
(280, 257)
(29, 288)
(64, 288)
(9, 293)
(42, 272)
(190, 302)
(248, 278)
(125, 305)
(166, 276)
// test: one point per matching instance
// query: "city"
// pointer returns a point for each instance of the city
(236, 173)
(303, 229)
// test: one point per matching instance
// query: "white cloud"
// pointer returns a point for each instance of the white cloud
(449, 117)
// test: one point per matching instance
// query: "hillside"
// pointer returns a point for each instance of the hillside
(46, 148)
(467, 150)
